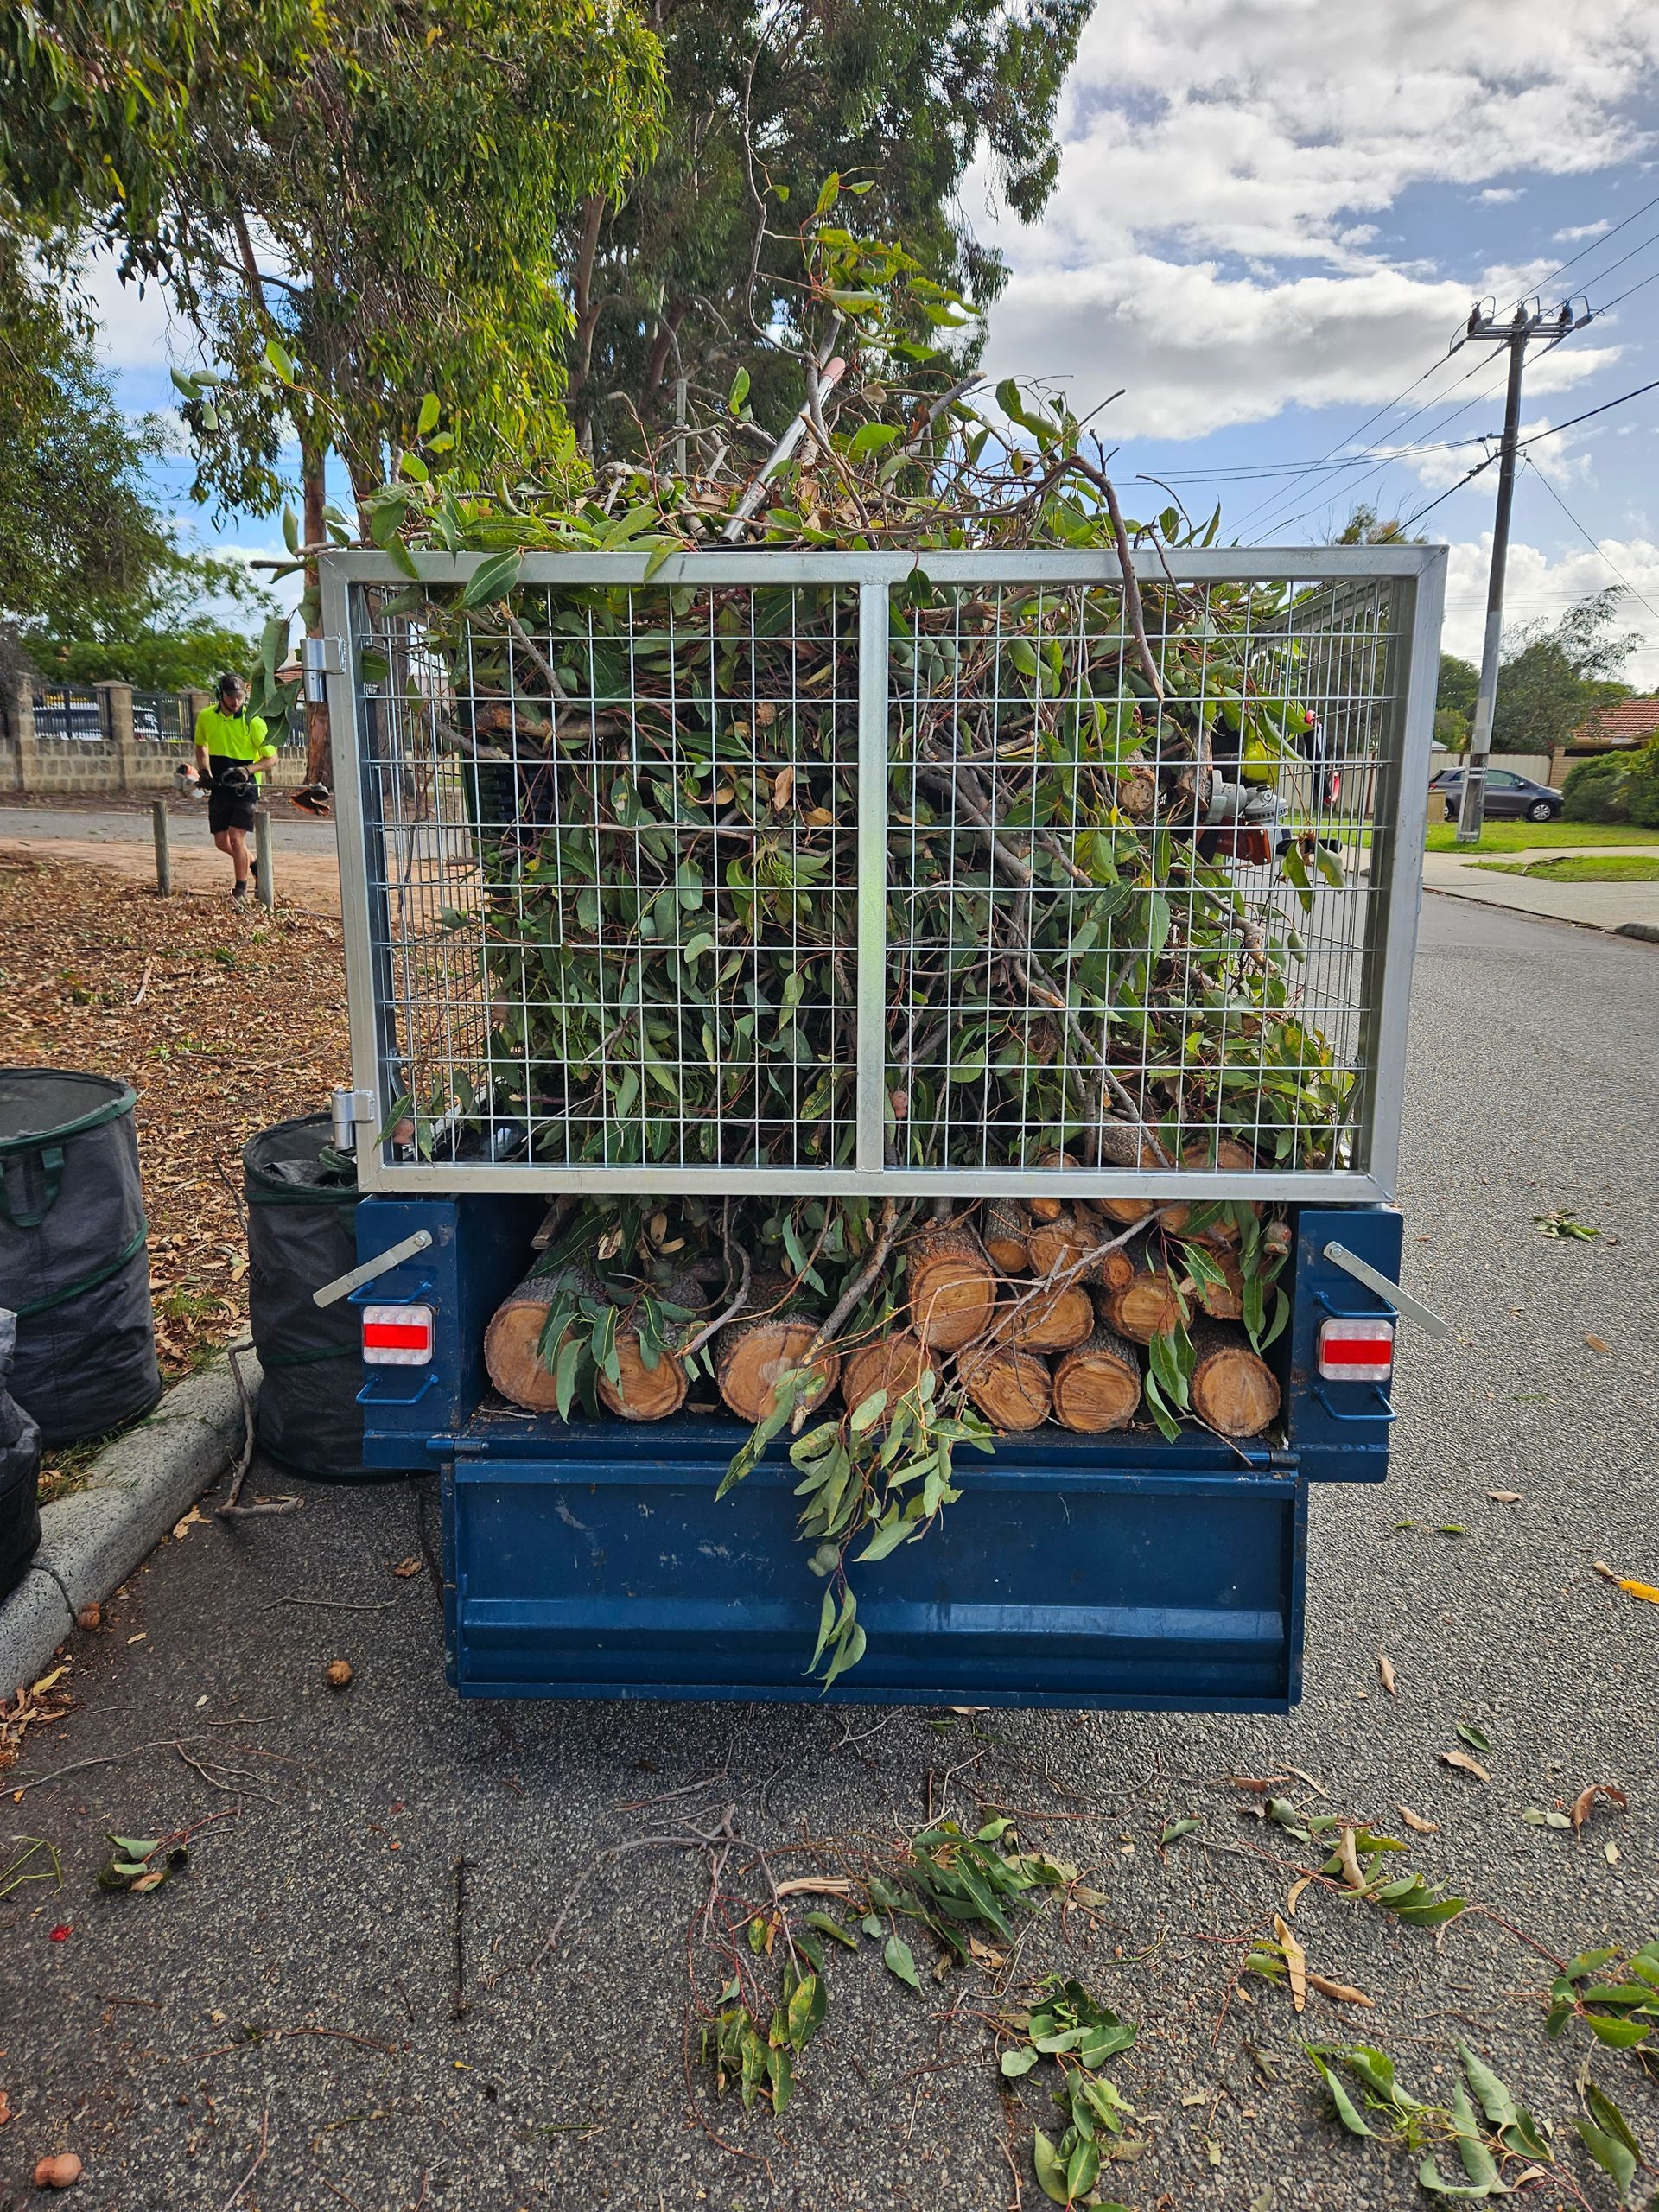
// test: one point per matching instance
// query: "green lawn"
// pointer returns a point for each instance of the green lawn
(1525, 836)
(1590, 868)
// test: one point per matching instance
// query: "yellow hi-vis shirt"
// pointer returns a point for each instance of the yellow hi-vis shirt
(233, 737)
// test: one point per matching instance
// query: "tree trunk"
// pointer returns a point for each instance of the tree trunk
(894, 1363)
(1233, 1389)
(319, 749)
(952, 1286)
(1045, 1319)
(1009, 1385)
(1147, 1303)
(1097, 1386)
(646, 1393)
(751, 1352)
(1004, 1228)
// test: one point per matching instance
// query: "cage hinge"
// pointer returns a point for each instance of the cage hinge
(346, 1108)
(320, 658)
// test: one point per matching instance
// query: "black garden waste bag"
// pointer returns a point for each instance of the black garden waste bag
(20, 1467)
(73, 1265)
(302, 1233)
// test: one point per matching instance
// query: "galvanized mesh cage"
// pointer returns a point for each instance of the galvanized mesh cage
(777, 870)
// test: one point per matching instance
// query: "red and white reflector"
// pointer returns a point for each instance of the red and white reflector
(1356, 1351)
(398, 1336)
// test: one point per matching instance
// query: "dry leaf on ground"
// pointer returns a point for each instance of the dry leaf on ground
(1339, 1992)
(1302, 1776)
(1295, 1959)
(1385, 1673)
(1416, 1821)
(1504, 1496)
(1464, 1764)
(1296, 1889)
(1261, 1782)
(1584, 1803)
(1350, 1858)
(405, 1567)
(1597, 1343)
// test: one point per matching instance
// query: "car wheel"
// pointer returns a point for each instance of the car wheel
(1451, 811)
(1541, 810)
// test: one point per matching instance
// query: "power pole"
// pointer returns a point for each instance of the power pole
(1528, 321)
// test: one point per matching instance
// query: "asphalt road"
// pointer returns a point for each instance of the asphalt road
(297, 1983)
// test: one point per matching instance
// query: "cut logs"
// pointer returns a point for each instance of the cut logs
(1056, 1246)
(1224, 1301)
(1146, 1304)
(1097, 1386)
(895, 1364)
(1051, 1317)
(751, 1352)
(644, 1393)
(1119, 1144)
(1230, 1157)
(1004, 1229)
(952, 1287)
(1009, 1386)
(513, 1356)
(1234, 1390)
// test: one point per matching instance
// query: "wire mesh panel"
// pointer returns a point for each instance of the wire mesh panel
(777, 870)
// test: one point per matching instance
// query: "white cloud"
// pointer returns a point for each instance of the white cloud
(1499, 195)
(1210, 242)
(1200, 350)
(1538, 588)
(1574, 231)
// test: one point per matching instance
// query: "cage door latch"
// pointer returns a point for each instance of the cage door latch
(343, 1285)
(1389, 1293)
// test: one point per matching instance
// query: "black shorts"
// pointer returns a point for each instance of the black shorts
(234, 796)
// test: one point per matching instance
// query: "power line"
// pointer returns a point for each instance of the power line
(1537, 438)
(1602, 275)
(1595, 245)
(1629, 288)
(1592, 542)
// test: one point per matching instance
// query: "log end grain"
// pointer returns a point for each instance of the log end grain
(952, 1287)
(1010, 1387)
(1097, 1385)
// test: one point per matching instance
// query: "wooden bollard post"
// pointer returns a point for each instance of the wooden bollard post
(267, 881)
(163, 848)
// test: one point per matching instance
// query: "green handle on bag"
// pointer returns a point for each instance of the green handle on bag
(51, 1159)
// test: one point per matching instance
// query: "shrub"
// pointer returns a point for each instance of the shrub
(1594, 790)
(1641, 788)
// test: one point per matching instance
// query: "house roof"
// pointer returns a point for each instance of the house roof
(1628, 721)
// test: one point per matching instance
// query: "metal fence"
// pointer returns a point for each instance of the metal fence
(160, 718)
(71, 720)
(743, 888)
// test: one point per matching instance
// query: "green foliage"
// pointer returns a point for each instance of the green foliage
(137, 1864)
(1642, 787)
(1619, 2004)
(157, 635)
(403, 172)
(1553, 677)
(693, 275)
(1458, 687)
(1451, 730)
(1596, 790)
(77, 532)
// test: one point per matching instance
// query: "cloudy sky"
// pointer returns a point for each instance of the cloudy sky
(1272, 219)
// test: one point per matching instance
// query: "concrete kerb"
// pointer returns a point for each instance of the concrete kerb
(137, 1489)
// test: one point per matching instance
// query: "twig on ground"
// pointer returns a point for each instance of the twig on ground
(232, 1508)
(332, 1605)
(694, 1839)
(235, 2196)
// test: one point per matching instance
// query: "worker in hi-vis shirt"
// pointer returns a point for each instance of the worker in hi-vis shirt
(230, 750)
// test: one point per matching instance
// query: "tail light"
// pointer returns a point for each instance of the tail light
(398, 1336)
(1356, 1351)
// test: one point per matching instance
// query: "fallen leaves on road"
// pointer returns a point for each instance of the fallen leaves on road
(137, 1864)
(38, 1705)
(1584, 1803)
(1416, 1823)
(1296, 1889)
(1564, 1226)
(1385, 1673)
(1623, 1582)
(406, 1568)
(1464, 1764)
(1504, 1496)
(195, 1518)
(1476, 1738)
(1295, 1960)
(1598, 1343)
(1339, 1992)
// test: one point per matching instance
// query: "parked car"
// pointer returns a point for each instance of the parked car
(1512, 796)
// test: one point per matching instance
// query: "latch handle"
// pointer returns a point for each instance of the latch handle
(343, 1285)
(1373, 1279)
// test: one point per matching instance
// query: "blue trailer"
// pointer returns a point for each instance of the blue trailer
(592, 1559)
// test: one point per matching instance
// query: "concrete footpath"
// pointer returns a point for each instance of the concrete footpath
(1631, 909)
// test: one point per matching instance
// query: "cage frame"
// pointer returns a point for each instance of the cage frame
(1415, 578)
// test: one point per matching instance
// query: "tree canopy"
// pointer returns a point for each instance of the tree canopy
(375, 187)
(1553, 676)
(75, 525)
(694, 276)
